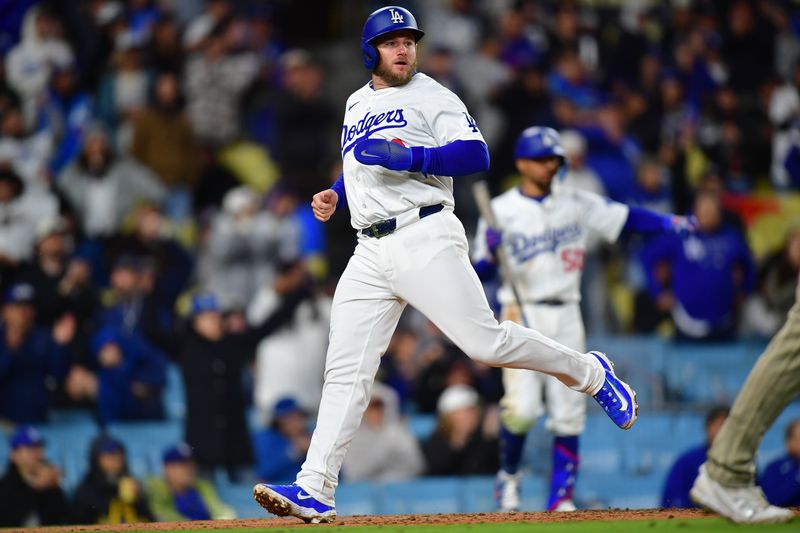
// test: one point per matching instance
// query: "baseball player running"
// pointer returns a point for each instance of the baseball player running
(404, 138)
(544, 228)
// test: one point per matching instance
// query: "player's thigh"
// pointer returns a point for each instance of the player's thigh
(364, 315)
(447, 291)
(566, 408)
(522, 403)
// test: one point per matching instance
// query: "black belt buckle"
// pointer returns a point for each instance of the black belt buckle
(385, 227)
(381, 229)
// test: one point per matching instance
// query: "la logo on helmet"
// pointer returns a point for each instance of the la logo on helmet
(397, 18)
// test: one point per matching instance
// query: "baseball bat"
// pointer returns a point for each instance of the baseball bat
(480, 191)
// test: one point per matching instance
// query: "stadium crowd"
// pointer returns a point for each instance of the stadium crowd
(154, 185)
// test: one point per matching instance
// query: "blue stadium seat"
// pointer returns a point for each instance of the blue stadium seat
(67, 443)
(704, 374)
(174, 395)
(422, 425)
(599, 491)
(145, 442)
(356, 499)
(434, 495)
(240, 497)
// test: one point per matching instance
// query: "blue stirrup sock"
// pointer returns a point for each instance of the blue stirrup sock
(565, 470)
(511, 446)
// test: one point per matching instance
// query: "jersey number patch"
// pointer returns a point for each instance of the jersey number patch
(572, 260)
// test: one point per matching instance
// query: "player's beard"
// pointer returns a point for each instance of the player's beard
(391, 79)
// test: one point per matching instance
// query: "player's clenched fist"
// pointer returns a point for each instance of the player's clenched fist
(324, 204)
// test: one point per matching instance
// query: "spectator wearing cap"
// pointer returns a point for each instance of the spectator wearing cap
(108, 494)
(30, 357)
(211, 359)
(383, 448)
(180, 494)
(30, 488)
(281, 448)
(130, 377)
(102, 187)
(465, 440)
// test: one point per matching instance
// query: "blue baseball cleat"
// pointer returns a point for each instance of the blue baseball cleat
(616, 397)
(292, 500)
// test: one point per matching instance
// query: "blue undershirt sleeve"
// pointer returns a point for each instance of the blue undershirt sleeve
(338, 186)
(458, 158)
(645, 221)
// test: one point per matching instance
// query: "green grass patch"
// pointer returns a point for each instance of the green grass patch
(693, 525)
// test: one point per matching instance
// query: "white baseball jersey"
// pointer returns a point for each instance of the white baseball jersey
(419, 113)
(545, 240)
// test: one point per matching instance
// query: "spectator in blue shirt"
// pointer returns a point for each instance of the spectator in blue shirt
(781, 479)
(30, 357)
(709, 272)
(685, 469)
(131, 375)
(281, 448)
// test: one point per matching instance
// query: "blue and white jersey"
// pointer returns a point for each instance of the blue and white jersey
(419, 113)
(546, 239)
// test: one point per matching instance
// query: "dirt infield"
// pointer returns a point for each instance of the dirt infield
(612, 514)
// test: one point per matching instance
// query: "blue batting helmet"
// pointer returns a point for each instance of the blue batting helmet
(538, 142)
(380, 22)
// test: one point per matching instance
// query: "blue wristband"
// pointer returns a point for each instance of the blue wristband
(338, 186)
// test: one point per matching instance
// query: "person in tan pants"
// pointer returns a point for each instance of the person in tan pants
(726, 483)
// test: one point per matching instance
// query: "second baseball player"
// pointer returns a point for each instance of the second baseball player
(544, 227)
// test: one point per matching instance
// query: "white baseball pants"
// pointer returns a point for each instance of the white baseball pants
(426, 265)
(528, 395)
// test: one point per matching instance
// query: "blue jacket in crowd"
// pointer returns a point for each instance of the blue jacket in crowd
(681, 478)
(276, 461)
(704, 271)
(142, 365)
(781, 482)
(25, 372)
